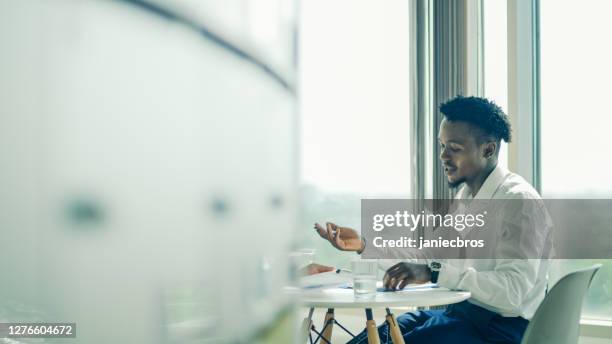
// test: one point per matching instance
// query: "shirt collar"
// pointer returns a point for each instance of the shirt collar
(490, 185)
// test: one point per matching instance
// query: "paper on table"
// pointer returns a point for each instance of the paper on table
(344, 280)
(410, 287)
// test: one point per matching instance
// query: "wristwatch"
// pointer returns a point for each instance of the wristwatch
(435, 271)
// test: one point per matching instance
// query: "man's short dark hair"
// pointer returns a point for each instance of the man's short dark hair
(481, 113)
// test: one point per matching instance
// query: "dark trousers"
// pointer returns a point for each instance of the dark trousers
(459, 323)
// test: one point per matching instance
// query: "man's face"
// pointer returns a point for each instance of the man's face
(460, 153)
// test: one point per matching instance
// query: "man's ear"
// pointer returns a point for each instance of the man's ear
(489, 149)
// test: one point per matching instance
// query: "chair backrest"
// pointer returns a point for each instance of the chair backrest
(557, 320)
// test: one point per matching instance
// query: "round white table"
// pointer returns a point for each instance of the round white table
(332, 298)
(418, 297)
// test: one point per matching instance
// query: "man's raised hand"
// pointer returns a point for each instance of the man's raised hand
(342, 238)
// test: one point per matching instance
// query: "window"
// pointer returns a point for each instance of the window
(496, 59)
(575, 118)
(355, 111)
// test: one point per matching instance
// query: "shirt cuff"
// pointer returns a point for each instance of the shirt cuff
(448, 277)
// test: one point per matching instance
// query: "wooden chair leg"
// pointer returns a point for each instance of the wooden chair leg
(372, 330)
(327, 334)
(306, 326)
(394, 330)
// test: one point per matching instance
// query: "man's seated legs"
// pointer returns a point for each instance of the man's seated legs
(459, 323)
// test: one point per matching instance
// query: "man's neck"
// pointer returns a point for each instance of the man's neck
(476, 183)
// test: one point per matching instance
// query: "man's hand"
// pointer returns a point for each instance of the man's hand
(314, 268)
(342, 238)
(402, 274)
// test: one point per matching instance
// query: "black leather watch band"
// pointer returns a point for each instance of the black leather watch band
(435, 271)
(434, 276)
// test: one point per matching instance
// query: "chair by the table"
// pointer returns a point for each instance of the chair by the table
(557, 320)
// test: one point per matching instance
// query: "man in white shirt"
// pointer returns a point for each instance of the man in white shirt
(506, 291)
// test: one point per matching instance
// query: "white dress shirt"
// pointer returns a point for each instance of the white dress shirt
(508, 286)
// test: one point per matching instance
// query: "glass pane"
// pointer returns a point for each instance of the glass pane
(575, 74)
(144, 167)
(355, 105)
(496, 59)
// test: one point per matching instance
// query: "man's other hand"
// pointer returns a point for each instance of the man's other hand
(342, 238)
(402, 274)
(314, 268)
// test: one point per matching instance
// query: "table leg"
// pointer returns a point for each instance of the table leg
(306, 326)
(328, 325)
(394, 330)
(372, 330)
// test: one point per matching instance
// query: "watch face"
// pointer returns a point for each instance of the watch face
(435, 265)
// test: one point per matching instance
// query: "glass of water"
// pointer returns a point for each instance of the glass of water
(299, 260)
(365, 273)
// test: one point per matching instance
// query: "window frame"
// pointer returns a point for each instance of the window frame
(524, 153)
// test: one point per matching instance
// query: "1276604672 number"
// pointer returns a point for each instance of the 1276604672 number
(37, 330)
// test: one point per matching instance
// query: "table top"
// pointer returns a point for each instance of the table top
(418, 297)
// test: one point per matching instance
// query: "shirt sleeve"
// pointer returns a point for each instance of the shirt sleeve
(523, 238)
